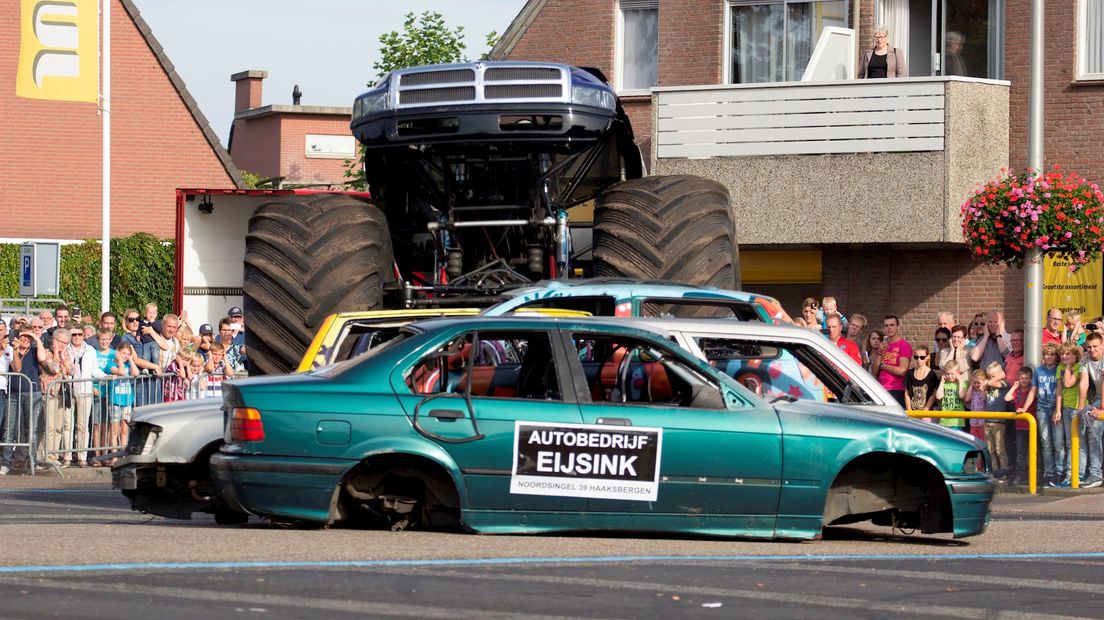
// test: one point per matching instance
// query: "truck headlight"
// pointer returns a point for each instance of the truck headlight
(594, 97)
(370, 103)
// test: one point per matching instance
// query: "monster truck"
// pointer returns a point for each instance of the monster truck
(483, 176)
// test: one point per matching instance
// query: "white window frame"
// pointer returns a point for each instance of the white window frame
(620, 46)
(1082, 17)
(726, 57)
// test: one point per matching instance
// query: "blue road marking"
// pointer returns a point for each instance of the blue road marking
(136, 566)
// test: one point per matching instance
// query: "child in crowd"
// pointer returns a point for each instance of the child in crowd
(1069, 381)
(1022, 396)
(950, 394)
(122, 395)
(175, 383)
(1051, 444)
(995, 388)
(217, 370)
(101, 391)
(197, 378)
(975, 401)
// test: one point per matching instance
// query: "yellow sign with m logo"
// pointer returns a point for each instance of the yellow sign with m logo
(59, 50)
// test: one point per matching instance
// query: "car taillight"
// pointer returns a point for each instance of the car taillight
(246, 425)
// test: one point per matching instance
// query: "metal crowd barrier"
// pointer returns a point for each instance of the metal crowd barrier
(20, 415)
(76, 421)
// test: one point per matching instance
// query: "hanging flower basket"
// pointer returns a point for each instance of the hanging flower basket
(1058, 214)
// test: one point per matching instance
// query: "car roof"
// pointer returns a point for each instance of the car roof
(535, 321)
(585, 286)
(722, 326)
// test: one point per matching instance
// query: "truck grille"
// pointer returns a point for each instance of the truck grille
(522, 91)
(507, 74)
(446, 76)
(427, 96)
(478, 83)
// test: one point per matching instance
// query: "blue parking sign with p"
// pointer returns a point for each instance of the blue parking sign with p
(27, 284)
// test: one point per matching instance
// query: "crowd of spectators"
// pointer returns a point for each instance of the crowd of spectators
(980, 367)
(78, 378)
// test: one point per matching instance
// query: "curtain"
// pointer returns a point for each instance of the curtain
(894, 15)
(757, 38)
(640, 41)
(1092, 47)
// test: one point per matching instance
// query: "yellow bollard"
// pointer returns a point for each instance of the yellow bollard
(1075, 448)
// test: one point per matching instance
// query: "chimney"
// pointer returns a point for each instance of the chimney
(248, 95)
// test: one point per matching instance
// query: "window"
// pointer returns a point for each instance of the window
(505, 365)
(627, 371)
(779, 369)
(1090, 40)
(689, 309)
(638, 52)
(773, 41)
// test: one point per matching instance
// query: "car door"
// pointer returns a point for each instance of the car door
(469, 396)
(721, 450)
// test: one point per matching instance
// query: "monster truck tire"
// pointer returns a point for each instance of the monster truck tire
(677, 228)
(307, 256)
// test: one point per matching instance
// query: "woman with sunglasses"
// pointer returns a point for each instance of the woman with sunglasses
(920, 382)
(942, 341)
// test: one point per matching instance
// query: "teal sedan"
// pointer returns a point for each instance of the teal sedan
(521, 425)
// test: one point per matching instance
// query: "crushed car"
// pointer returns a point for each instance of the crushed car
(524, 425)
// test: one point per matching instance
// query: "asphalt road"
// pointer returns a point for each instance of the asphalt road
(81, 552)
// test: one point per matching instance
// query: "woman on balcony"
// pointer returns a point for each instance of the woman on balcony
(882, 61)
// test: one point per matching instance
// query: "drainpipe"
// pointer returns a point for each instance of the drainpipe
(1033, 266)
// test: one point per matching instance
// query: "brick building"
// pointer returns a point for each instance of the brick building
(877, 227)
(297, 145)
(52, 132)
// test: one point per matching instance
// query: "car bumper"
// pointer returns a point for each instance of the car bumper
(970, 504)
(280, 488)
(482, 123)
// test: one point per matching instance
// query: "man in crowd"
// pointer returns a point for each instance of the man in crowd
(237, 324)
(1092, 416)
(28, 357)
(61, 318)
(945, 320)
(891, 361)
(993, 343)
(85, 368)
(234, 358)
(1052, 331)
(855, 327)
(835, 334)
(59, 418)
(109, 321)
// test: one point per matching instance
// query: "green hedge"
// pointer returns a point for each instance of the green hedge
(141, 272)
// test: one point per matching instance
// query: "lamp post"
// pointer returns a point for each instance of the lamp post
(1033, 265)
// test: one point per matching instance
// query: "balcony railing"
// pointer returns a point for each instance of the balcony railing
(867, 152)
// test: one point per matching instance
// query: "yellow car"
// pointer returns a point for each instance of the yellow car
(347, 334)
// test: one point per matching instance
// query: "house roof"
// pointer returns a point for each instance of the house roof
(516, 29)
(182, 90)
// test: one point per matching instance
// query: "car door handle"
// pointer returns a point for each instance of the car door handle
(615, 421)
(447, 414)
